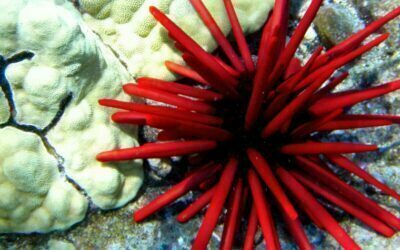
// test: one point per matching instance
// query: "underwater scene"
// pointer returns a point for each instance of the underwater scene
(199, 124)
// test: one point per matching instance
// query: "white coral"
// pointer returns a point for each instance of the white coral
(142, 43)
(33, 195)
(69, 60)
(4, 110)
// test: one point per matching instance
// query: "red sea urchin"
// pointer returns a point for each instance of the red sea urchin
(250, 135)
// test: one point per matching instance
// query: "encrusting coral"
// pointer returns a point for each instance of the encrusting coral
(252, 133)
(4, 111)
(34, 196)
(142, 44)
(54, 95)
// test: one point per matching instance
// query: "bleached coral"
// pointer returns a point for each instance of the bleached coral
(60, 245)
(33, 195)
(142, 43)
(55, 96)
(70, 63)
(4, 110)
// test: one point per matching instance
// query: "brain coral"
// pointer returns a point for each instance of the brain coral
(55, 96)
(141, 42)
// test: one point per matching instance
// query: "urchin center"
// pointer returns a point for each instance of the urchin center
(233, 112)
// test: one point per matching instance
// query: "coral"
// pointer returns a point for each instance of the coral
(34, 196)
(54, 92)
(4, 110)
(257, 136)
(141, 42)
(60, 245)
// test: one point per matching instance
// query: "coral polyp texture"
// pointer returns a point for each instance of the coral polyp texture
(256, 135)
(34, 196)
(142, 44)
(4, 111)
(53, 71)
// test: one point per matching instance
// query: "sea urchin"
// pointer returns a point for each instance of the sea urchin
(250, 132)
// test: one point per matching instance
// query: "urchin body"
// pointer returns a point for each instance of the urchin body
(251, 133)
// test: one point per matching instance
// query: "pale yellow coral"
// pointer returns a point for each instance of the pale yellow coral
(143, 44)
(69, 62)
(31, 188)
(4, 109)
(60, 245)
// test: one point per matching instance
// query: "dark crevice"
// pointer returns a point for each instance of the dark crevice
(114, 52)
(8, 92)
(76, 4)
(5, 85)
(62, 106)
(61, 168)
(20, 56)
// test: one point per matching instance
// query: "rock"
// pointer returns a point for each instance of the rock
(334, 23)
(373, 9)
